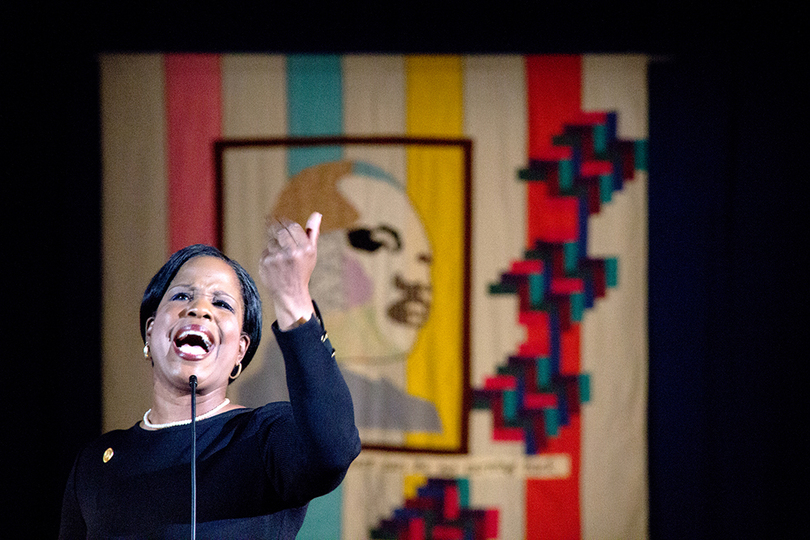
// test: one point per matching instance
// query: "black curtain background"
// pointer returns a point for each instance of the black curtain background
(728, 128)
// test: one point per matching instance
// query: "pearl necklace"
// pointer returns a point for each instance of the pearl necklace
(209, 414)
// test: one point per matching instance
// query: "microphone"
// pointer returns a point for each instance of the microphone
(192, 382)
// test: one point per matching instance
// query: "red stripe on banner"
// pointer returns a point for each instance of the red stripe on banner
(552, 506)
(508, 434)
(531, 266)
(416, 529)
(539, 401)
(554, 85)
(557, 221)
(533, 318)
(491, 524)
(447, 532)
(554, 92)
(193, 103)
(583, 118)
(566, 285)
(451, 508)
(554, 96)
(500, 382)
(538, 341)
(596, 168)
(552, 153)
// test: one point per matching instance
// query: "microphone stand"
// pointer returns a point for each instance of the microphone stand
(192, 381)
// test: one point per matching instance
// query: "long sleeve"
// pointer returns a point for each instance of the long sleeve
(324, 440)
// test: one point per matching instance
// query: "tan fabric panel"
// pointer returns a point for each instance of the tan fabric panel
(254, 103)
(614, 333)
(495, 118)
(254, 94)
(134, 224)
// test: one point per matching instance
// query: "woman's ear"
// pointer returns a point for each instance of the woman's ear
(244, 343)
(148, 329)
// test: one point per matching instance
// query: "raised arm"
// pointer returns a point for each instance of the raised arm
(308, 455)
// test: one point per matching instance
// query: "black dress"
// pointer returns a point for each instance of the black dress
(256, 468)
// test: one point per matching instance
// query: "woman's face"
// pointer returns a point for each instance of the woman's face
(197, 329)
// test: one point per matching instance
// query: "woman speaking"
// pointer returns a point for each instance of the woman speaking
(256, 469)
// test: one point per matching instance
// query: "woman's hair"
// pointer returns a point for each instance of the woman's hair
(252, 321)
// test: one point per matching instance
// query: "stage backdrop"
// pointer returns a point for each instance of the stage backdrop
(482, 267)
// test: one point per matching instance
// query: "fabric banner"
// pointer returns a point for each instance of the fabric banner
(482, 267)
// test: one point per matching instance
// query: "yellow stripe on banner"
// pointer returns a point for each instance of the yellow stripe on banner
(435, 184)
(434, 94)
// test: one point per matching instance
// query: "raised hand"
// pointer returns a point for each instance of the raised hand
(286, 265)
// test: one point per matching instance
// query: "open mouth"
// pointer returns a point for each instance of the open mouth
(193, 342)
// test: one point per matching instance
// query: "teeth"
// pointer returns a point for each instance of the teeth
(185, 334)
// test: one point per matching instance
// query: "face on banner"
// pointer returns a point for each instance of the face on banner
(373, 287)
(390, 277)
(372, 281)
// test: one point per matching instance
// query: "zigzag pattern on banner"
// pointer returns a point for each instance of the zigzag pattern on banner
(530, 397)
(440, 511)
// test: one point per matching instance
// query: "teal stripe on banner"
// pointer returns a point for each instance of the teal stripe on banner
(510, 405)
(565, 175)
(605, 188)
(584, 388)
(552, 421)
(314, 107)
(600, 139)
(570, 257)
(577, 306)
(544, 373)
(612, 272)
(463, 492)
(537, 286)
(640, 155)
(323, 519)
